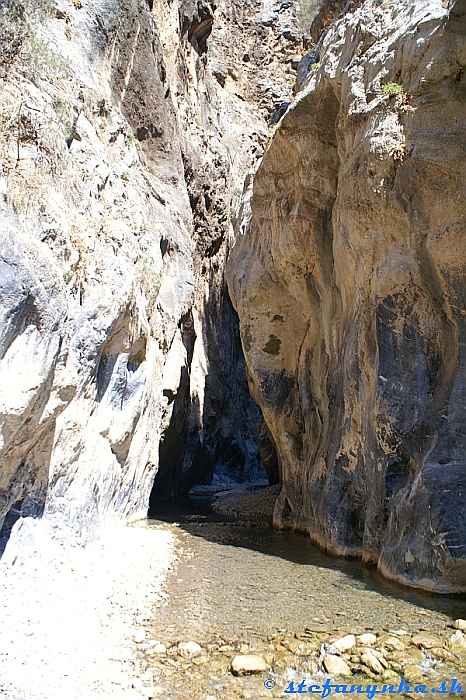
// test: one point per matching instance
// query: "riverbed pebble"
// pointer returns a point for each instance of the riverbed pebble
(336, 666)
(460, 624)
(345, 643)
(442, 654)
(412, 673)
(189, 650)
(244, 664)
(327, 649)
(425, 641)
(393, 643)
(369, 659)
(458, 640)
(367, 639)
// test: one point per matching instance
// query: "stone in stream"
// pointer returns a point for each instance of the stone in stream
(345, 643)
(393, 643)
(245, 664)
(159, 649)
(189, 650)
(369, 659)
(413, 673)
(411, 656)
(442, 654)
(327, 649)
(367, 639)
(457, 641)
(336, 666)
(460, 624)
(426, 641)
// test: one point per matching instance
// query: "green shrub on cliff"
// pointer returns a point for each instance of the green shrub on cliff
(392, 89)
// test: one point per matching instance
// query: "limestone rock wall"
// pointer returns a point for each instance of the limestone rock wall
(229, 67)
(348, 276)
(121, 157)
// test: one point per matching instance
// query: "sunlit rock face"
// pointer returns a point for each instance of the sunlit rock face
(348, 276)
(126, 131)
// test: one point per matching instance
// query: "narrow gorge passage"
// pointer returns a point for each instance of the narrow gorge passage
(242, 588)
(232, 246)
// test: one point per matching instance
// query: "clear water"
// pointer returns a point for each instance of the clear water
(255, 589)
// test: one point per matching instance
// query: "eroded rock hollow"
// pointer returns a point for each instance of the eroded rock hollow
(348, 275)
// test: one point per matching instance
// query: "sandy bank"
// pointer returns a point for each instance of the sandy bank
(69, 619)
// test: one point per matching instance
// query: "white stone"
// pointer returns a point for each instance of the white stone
(394, 643)
(139, 636)
(345, 643)
(458, 639)
(425, 641)
(248, 663)
(367, 639)
(460, 624)
(336, 666)
(189, 650)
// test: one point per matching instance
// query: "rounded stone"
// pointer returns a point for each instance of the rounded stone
(426, 641)
(412, 673)
(372, 662)
(394, 643)
(367, 639)
(189, 650)
(457, 641)
(460, 624)
(244, 664)
(336, 666)
(345, 643)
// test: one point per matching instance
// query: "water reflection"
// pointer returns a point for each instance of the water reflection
(196, 517)
(243, 588)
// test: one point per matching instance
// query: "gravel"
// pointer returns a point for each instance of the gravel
(70, 617)
(255, 504)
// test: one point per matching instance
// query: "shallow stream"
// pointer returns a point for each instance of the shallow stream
(239, 588)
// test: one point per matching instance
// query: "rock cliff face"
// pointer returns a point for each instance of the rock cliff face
(348, 276)
(123, 147)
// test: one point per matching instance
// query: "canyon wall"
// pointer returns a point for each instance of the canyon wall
(124, 144)
(348, 275)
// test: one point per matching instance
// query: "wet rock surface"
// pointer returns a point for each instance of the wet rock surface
(348, 278)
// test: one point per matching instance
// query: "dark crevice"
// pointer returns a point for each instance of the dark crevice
(10, 519)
